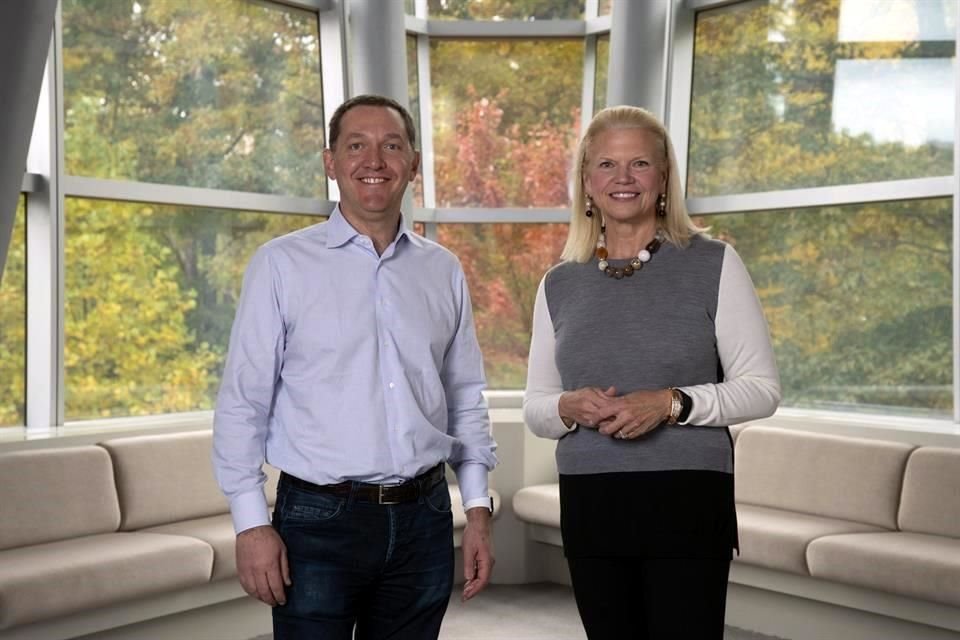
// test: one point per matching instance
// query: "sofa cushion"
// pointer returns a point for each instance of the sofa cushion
(910, 564)
(58, 493)
(778, 539)
(168, 478)
(48, 580)
(735, 429)
(216, 531)
(538, 504)
(931, 492)
(831, 476)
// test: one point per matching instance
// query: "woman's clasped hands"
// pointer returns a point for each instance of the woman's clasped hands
(623, 417)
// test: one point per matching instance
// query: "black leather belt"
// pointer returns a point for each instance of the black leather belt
(377, 493)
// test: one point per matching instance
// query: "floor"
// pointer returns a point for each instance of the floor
(525, 612)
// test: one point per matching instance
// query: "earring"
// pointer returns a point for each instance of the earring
(662, 205)
(588, 211)
(601, 251)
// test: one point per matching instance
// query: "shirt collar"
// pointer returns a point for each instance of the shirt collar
(340, 232)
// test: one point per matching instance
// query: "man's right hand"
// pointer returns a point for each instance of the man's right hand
(262, 564)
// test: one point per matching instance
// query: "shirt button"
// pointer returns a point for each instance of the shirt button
(391, 385)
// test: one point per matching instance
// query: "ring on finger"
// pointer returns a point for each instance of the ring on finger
(622, 435)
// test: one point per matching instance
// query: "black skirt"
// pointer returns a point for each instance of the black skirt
(648, 514)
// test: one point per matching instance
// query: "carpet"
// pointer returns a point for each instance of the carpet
(526, 612)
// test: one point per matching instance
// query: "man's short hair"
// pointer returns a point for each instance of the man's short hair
(370, 100)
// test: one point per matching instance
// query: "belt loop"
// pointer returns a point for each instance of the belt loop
(352, 496)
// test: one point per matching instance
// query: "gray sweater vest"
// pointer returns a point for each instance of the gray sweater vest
(650, 331)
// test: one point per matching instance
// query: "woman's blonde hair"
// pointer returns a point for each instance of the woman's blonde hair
(676, 227)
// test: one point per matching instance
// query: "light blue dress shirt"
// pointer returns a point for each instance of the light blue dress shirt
(346, 365)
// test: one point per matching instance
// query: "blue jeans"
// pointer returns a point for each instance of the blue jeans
(386, 570)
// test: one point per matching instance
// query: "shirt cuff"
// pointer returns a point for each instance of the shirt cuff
(479, 502)
(472, 478)
(249, 510)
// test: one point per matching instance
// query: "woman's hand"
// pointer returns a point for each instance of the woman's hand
(637, 413)
(588, 406)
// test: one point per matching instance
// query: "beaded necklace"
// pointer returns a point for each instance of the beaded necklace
(636, 264)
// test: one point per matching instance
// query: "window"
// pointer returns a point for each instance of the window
(505, 9)
(836, 94)
(187, 94)
(858, 299)
(413, 91)
(813, 93)
(600, 80)
(13, 324)
(504, 134)
(150, 297)
(503, 119)
(177, 94)
(503, 264)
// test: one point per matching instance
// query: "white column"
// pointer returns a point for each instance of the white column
(378, 57)
(639, 37)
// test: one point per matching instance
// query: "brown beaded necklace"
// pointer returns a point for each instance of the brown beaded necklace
(636, 264)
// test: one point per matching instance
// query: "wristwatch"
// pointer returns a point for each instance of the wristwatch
(680, 406)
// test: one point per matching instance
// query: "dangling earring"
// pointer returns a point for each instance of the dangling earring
(589, 207)
(601, 251)
(662, 205)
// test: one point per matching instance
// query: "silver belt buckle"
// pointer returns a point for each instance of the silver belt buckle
(381, 499)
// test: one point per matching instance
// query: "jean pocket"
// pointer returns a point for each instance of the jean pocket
(302, 508)
(438, 498)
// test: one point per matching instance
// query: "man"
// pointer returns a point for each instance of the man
(354, 368)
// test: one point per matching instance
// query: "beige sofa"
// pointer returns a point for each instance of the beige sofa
(100, 536)
(856, 523)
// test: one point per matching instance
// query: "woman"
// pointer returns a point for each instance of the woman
(648, 341)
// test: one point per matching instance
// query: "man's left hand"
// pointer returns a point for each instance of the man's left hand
(477, 550)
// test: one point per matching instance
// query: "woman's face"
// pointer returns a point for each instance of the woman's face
(623, 174)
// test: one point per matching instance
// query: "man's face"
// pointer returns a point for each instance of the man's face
(372, 162)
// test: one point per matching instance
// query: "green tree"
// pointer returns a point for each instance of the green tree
(13, 322)
(505, 9)
(858, 297)
(176, 93)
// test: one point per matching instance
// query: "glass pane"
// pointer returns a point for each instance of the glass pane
(150, 297)
(504, 264)
(813, 93)
(413, 92)
(505, 9)
(600, 80)
(504, 134)
(178, 92)
(606, 7)
(858, 301)
(13, 325)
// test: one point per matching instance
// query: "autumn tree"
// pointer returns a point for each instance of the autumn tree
(504, 262)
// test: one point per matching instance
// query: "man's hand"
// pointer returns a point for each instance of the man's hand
(262, 564)
(477, 550)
